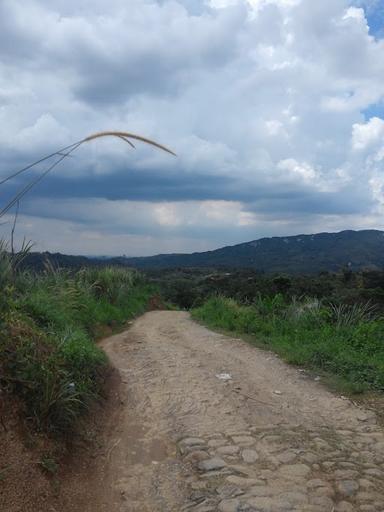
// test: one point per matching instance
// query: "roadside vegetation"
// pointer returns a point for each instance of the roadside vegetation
(345, 341)
(49, 322)
(330, 323)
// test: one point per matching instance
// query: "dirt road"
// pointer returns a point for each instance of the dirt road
(268, 439)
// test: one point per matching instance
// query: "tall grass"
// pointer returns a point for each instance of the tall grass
(48, 325)
(346, 342)
(60, 155)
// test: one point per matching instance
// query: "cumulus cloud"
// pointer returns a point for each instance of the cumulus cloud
(263, 100)
(364, 135)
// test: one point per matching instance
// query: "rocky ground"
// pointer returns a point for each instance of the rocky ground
(286, 468)
(213, 424)
(200, 422)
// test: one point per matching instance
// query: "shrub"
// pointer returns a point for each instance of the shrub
(48, 323)
(346, 342)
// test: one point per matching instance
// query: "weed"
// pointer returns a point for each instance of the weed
(48, 325)
(4, 472)
(49, 464)
(346, 314)
(345, 342)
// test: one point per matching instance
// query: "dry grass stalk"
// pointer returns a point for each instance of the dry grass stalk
(66, 152)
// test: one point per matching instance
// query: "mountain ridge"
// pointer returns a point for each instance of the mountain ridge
(292, 254)
(313, 253)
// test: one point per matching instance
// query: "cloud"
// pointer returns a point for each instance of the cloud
(365, 135)
(262, 100)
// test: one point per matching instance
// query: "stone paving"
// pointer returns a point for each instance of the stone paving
(285, 469)
(268, 438)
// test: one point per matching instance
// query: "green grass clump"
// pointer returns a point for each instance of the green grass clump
(48, 325)
(345, 342)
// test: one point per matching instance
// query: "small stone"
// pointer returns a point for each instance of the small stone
(344, 432)
(322, 501)
(324, 491)
(295, 470)
(261, 490)
(228, 450)
(228, 491)
(190, 444)
(229, 505)
(204, 507)
(364, 496)
(240, 470)
(365, 484)
(347, 487)
(249, 456)
(197, 456)
(374, 472)
(321, 444)
(267, 505)
(345, 474)
(286, 457)
(238, 433)
(309, 457)
(241, 482)
(344, 506)
(196, 486)
(294, 498)
(191, 441)
(214, 443)
(197, 496)
(272, 439)
(267, 474)
(210, 475)
(315, 483)
(347, 465)
(243, 440)
(212, 464)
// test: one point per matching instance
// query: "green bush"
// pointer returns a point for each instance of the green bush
(346, 342)
(48, 325)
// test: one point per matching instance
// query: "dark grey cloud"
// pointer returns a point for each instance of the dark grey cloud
(266, 107)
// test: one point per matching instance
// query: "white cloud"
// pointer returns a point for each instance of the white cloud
(366, 135)
(259, 102)
(301, 170)
(356, 13)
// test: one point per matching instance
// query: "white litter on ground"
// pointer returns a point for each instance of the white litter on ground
(224, 376)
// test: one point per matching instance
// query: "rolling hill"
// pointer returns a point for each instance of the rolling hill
(292, 254)
(331, 252)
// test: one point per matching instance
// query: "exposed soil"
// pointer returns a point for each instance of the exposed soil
(179, 434)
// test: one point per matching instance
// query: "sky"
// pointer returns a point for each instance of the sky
(275, 109)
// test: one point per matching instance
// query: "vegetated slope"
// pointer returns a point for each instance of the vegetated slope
(51, 369)
(292, 254)
(343, 341)
(48, 324)
(39, 260)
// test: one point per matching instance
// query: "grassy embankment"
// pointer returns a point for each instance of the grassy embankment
(345, 342)
(48, 325)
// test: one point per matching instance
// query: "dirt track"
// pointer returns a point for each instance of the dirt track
(270, 439)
